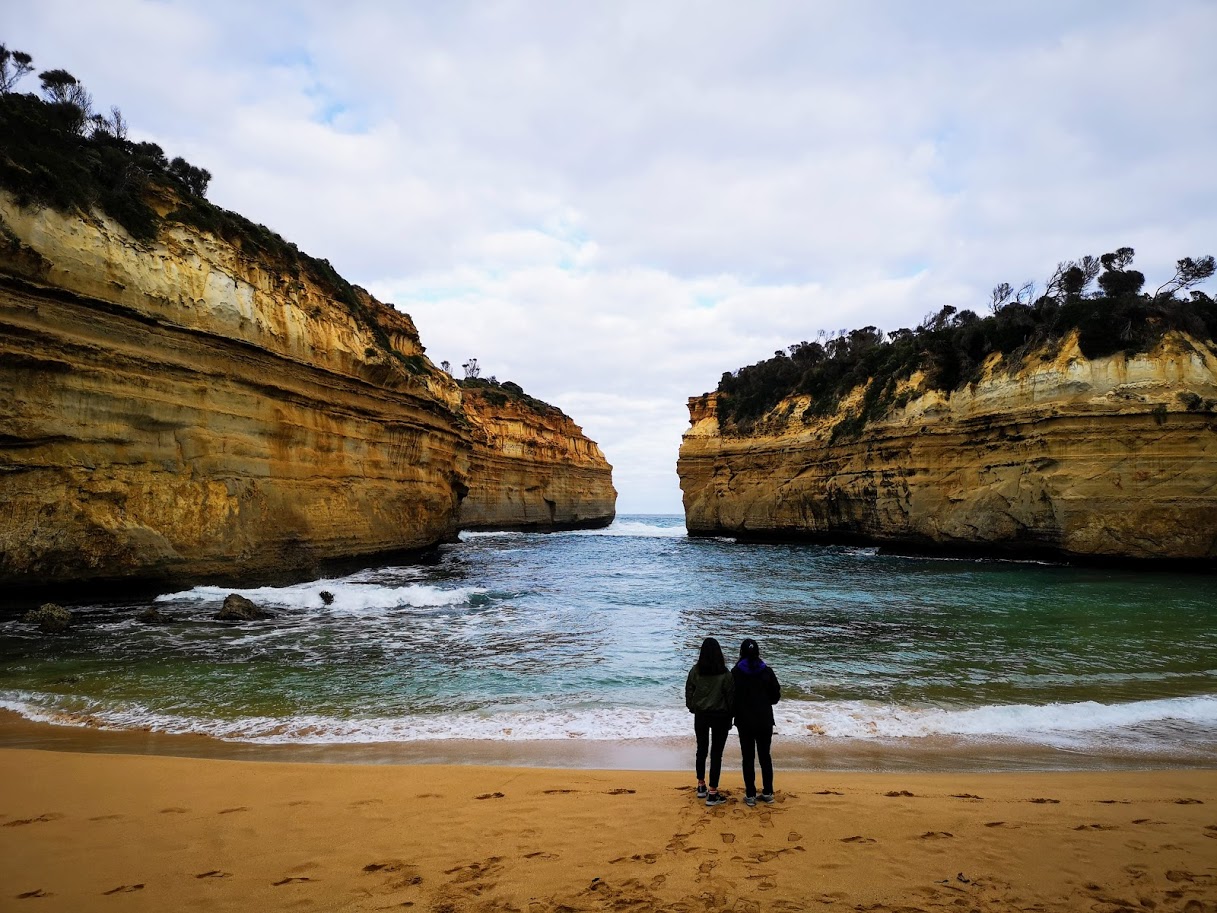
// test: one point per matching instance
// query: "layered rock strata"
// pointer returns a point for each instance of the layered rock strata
(532, 468)
(1062, 457)
(181, 410)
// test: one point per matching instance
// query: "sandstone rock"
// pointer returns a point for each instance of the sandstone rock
(532, 468)
(1063, 457)
(50, 618)
(181, 409)
(238, 608)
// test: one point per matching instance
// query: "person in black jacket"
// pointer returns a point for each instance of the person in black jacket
(709, 691)
(756, 691)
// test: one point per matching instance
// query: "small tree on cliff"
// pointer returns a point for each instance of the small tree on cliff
(62, 88)
(1188, 272)
(472, 370)
(13, 66)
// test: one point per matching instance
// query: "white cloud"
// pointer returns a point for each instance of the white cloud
(613, 204)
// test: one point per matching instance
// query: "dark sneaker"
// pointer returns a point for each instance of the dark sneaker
(750, 801)
(714, 799)
(701, 791)
(766, 797)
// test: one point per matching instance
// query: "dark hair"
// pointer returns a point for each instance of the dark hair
(710, 661)
(749, 649)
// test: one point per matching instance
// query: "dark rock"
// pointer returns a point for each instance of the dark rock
(327, 597)
(238, 608)
(153, 616)
(50, 618)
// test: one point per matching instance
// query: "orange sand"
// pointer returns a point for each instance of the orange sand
(84, 832)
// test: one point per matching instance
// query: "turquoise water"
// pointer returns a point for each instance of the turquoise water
(587, 636)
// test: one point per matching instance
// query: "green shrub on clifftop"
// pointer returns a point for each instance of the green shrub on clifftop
(951, 346)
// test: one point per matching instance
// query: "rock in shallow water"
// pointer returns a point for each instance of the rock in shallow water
(238, 608)
(50, 618)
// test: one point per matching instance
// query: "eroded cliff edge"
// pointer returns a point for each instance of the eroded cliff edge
(532, 468)
(179, 408)
(1059, 456)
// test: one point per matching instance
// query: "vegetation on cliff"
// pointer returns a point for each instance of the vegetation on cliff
(56, 151)
(951, 346)
(500, 393)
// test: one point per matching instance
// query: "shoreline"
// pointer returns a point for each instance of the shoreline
(675, 754)
(93, 831)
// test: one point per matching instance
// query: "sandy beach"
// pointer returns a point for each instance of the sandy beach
(92, 831)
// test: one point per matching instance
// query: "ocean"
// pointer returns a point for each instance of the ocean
(584, 639)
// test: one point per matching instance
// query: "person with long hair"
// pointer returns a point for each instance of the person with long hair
(709, 693)
(756, 691)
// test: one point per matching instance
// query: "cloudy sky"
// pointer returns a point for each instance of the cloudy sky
(612, 203)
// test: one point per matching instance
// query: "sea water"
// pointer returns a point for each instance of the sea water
(588, 636)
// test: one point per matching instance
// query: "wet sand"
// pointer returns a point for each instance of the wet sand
(96, 831)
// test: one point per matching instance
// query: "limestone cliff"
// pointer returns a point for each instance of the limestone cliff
(181, 409)
(1060, 456)
(532, 468)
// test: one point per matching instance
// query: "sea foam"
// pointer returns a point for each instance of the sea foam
(347, 596)
(1158, 725)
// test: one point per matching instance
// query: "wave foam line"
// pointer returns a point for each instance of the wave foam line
(862, 720)
(1158, 724)
(347, 596)
(634, 529)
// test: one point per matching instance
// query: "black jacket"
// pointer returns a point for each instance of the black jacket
(756, 691)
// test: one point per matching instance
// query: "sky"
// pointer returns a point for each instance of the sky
(612, 203)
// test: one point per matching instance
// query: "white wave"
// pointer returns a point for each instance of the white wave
(1159, 725)
(862, 720)
(346, 596)
(466, 534)
(633, 528)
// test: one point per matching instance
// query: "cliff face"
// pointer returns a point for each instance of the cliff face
(1104, 459)
(179, 410)
(532, 468)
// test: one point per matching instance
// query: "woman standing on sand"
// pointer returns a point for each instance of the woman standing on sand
(708, 695)
(756, 691)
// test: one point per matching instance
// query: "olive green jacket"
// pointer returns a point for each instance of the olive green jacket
(709, 693)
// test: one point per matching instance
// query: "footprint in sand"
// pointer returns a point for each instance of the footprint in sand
(49, 816)
(291, 879)
(858, 838)
(621, 791)
(214, 873)
(31, 894)
(936, 835)
(174, 810)
(563, 792)
(490, 796)
(123, 889)
(1045, 801)
(829, 792)
(794, 837)
(1096, 827)
(898, 792)
(965, 796)
(1113, 802)
(229, 811)
(998, 824)
(106, 818)
(541, 854)
(1210, 830)
(728, 838)
(1189, 802)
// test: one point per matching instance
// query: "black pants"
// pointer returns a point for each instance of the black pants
(712, 730)
(756, 741)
